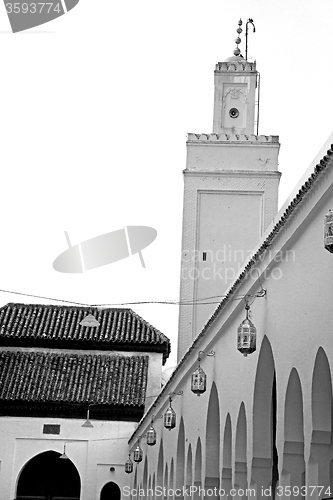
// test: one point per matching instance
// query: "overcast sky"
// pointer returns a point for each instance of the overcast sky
(95, 107)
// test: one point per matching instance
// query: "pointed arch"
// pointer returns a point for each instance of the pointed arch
(321, 411)
(150, 488)
(262, 398)
(171, 476)
(160, 463)
(241, 435)
(293, 414)
(136, 478)
(198, 463)
(264, 420)
(166, 476)
(241, 449)
(321, 395)
(189, 467)
(153, 486)
(293, 453)
(180, 465)
(227, 456)
(110, 490)
(145, 476)
(38, 477)
(212, 454)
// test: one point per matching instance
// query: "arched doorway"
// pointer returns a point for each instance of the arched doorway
(48, 477)
(110, 491)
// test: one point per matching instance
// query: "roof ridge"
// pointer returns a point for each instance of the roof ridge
(97, 308)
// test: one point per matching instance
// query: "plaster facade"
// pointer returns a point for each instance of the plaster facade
(230, 196)
(43, 410)
(92, 450)
(264, 424)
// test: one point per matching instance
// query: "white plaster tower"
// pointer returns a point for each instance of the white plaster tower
(230, 194)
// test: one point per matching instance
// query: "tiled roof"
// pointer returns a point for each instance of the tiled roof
(325, 162)
(59, 326)
(75, 379)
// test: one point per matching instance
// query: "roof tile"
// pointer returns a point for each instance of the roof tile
(67, 378)
(44, 324)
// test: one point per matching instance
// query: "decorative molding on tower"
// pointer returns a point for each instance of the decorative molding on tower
(238, 64)
(226, 138)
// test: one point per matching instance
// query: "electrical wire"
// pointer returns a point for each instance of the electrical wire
(185, 302)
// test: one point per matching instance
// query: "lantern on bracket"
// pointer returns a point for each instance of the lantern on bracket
(198, 377)
(129, 465)
(328, 231)
(151, 434)
(247, 333)
(170, 417)
(137, 455)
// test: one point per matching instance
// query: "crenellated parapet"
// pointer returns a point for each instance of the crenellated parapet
(236, 66)
(237, 138)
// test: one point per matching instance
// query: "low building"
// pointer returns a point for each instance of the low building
(70, 397)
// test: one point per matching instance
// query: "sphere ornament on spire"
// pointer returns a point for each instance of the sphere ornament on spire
(239, 30)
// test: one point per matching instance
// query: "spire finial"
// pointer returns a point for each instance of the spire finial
(239, 30)
(249, 21)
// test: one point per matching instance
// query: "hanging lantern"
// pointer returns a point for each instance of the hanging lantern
(247, 332)
(137, 455)
(170, 417)
(328, 231)
(198, 381)
(151, 435)
(129, 465)
(89, 320)
(199, 378)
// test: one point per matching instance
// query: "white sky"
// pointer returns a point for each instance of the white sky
(95, 107)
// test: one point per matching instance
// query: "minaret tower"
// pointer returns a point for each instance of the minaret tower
(230, 193)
